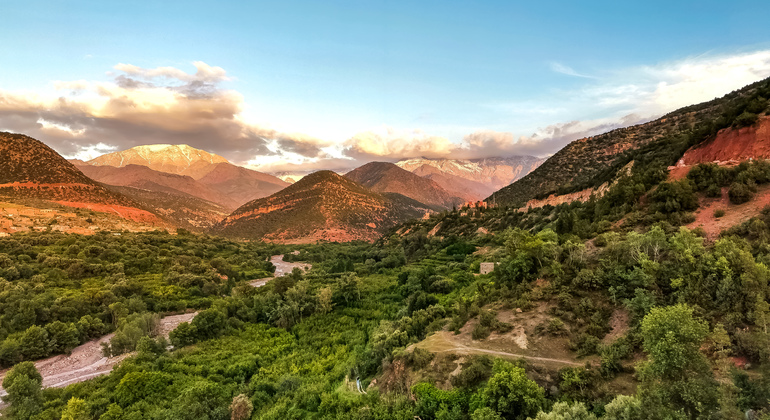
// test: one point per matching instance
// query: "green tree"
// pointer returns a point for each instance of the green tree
(202, 400)
(567, 411)
(63, 337)
(183, 335)
(677, 378)
(348, 288)
(325, 302)
(114, 412)
(23, 384)
(511, 393)
(35, 343)
(76, 410)
(209, 323)
(624, 407)
(485, 413)
(118, 311)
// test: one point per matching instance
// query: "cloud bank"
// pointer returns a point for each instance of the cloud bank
(168, 105)
(146, 106)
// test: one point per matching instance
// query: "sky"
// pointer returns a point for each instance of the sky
(303, 85)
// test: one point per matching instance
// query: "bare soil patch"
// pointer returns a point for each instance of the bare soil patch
(522, 342)
(735, 214)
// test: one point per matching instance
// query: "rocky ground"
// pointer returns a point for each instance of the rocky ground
(86, 361)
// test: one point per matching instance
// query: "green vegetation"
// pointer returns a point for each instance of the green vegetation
(296, 347)
(654, 321)
(58, 291)
(650, 148)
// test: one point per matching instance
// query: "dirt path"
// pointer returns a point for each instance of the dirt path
(282, 268)
(445, 341)
(86, 361)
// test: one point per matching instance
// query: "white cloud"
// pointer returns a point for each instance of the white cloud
(168, 105)
(92, 151)
(569, 71)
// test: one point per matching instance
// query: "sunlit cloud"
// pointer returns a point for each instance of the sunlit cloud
(146, 106)
(93, 151)
(135, 106)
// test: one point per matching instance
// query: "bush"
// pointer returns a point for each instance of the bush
(746, 119)
(740, 193)
(480, 332)
(474, 372)
(587, 345)
(419, 358)
(611, 356)
(556, 327)
(673, 197)
(719, 213)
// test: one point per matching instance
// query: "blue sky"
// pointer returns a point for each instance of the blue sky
(428, 73)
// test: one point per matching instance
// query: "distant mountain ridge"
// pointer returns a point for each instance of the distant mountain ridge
(143, 177)
(490, 174)
(217, 180)
(179, 159)
(386, 177)
(322, 206)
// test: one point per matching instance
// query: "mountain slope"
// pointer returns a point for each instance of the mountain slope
(178, 209)
(240, 184)
(142, 177)
(321, 206)
(494, 172)
(587, 163)
(31, 170)
(385, 177)
(464, 188)
(175, 159)
(218, 180)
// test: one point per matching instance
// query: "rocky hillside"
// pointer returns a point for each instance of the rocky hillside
(733, 145)
(588, 163)
(31, 170)
(175, 159)
(386, 177)
(322, 206)
(177, 209)
(144, 178)
(239, 184)
(494, 173)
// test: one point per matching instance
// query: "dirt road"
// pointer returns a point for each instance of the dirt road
(444, 341)
(282, 268)
(86, 361)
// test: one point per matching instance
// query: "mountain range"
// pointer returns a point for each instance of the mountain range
(473, 179)
(321, 206)
(209, 176)
(180, 186)
(386, 177)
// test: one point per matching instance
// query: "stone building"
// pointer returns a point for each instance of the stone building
(486, 267)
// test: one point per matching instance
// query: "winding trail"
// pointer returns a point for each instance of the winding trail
(445, 342)
(282, 268)
(86, 360)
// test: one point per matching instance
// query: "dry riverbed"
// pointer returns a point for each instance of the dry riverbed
(282, 268)
(86, 361)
